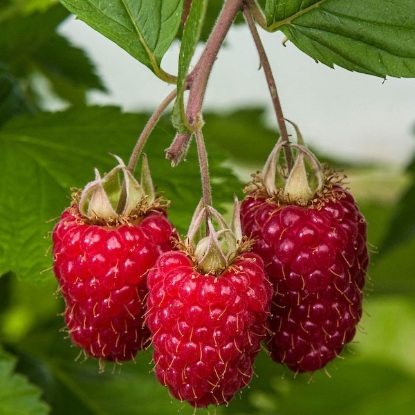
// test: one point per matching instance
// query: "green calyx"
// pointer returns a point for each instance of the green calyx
(213, 243)
(117, 196)
(298, 184)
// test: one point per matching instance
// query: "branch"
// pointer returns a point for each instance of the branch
(271, 84)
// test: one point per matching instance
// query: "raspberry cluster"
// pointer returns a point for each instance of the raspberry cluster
(288, 271)
(102, 276)
(316, 258)
(207, 329)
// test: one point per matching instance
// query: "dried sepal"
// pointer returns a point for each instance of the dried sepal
(117, 196)
(211, 242)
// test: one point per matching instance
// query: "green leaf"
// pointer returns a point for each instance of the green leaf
(369, 36)
(76, 387)
(191, 35)
(242, 133)
(43, 156)
(59, 58)
(17, 34)
(17, 396)
(12, 99)
(68, 68)
(355, 386)
(144, 28)
(401, 228)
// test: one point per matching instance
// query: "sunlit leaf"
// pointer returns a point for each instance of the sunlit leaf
(145, 28)
(369, 36)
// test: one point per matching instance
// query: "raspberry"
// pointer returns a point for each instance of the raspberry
(208, 307)
(102, 258)
(206, 329)
(316, 258)
(102, 276)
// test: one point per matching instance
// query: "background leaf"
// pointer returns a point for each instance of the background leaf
(44, 156)
(401, 228)
(31, 50)
(17, 396)
(369, 36)
(145, 28)
(13, 101)
(68, 68)
(34, 29)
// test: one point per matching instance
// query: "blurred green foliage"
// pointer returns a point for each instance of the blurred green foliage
(43, 155)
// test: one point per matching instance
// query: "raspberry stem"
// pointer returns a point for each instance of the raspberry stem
(141, 142)
(271, 83)
(199, 76)
(204, 172)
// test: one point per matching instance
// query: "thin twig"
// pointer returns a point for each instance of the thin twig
(140, 144)
(148, 129)
(271, 84)
(204, 168)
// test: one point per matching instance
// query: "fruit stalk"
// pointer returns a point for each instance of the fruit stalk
(142, 140)
(204, 169)
(270, 81)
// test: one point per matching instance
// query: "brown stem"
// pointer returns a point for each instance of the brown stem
(200, 75)
(140, 144)
(148, 129)
(204, 168)
(271, 84)
(178, 149)
(256, 12)
(204, 172)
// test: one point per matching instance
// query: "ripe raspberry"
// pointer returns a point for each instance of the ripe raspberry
(316, 258)
(206, 329)
(317, 261)
(102, 272)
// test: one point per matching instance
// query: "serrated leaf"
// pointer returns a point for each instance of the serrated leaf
(191, 35)
(143, 28)
(370, 36)
(17, 395)
(17, 34)
(58, 58)
(43, 156)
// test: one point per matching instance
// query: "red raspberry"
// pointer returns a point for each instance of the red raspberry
(206, 329)
(316, 258)
(102, 275)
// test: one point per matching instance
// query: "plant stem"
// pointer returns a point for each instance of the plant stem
(204, 168)
(140, 144)
(199, 77)
(256, 12)
(148, 129)
(197, 80)
(204, 173)
(271, 84)
(178, 149)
